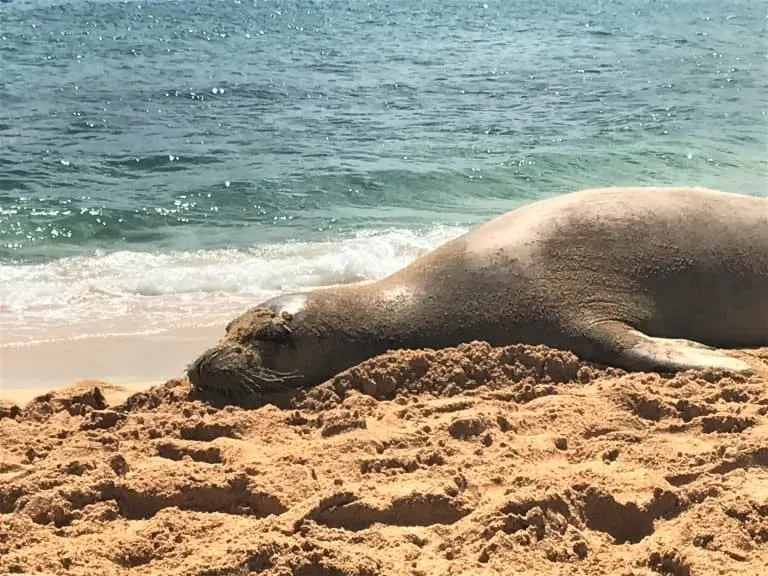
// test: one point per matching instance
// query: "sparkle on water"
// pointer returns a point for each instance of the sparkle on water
(173, 127)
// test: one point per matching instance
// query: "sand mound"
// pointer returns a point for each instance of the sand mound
(473, 460)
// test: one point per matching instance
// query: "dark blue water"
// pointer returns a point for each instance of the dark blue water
(153, 136)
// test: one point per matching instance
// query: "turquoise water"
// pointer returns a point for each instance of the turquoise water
(170, 155)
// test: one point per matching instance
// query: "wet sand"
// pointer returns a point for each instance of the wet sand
(124, 358)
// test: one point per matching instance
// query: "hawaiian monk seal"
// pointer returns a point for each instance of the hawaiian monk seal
(643, 279)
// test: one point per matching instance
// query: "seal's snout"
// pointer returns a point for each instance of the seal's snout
(208, 372)
(236, 371)
(225, 369)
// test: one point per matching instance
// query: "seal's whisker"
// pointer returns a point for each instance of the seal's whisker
(273, 375)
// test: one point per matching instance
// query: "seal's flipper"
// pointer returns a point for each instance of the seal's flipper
(673, 356)
(681, 342)
(638, 351)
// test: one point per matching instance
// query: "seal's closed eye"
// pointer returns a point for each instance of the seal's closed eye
(276, 331)
(261, 324)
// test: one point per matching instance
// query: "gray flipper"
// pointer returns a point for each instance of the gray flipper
(634, 350)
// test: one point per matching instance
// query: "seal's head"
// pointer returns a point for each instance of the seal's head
(256, 356)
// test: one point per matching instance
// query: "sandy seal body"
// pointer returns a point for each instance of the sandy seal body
(638, 278)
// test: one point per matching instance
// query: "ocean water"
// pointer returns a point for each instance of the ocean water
(167, 163)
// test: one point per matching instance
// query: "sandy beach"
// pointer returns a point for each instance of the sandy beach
(473, 460)
(128, 359)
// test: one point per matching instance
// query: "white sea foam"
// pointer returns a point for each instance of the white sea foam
(131, 292)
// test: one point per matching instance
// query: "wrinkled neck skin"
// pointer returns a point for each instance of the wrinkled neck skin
(336, 328)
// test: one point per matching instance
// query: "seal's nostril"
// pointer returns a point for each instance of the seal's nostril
(193, 372)
(200, 367)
